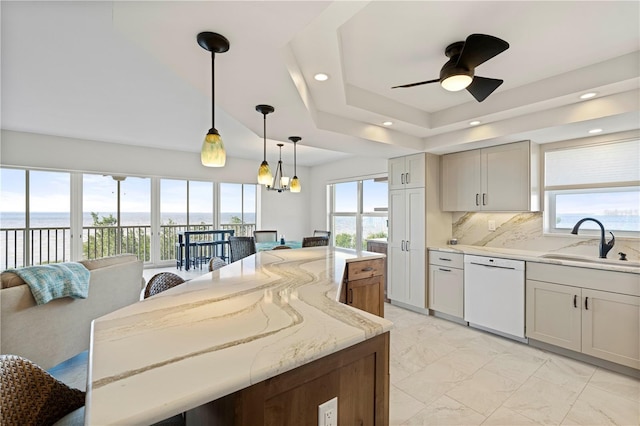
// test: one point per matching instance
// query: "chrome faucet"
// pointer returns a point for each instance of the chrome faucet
(604, 246)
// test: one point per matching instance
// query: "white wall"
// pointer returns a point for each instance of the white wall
(286, 212)
(348, 169)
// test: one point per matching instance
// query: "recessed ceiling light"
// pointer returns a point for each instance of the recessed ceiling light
(321, 76)
(588, 95)
(474, 123)
(595, 130)
(387, 123)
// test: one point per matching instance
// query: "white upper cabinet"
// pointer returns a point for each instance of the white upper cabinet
(499, 178)
(407, 172)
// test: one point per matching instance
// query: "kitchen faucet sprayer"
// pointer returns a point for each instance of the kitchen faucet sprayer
(604, 246)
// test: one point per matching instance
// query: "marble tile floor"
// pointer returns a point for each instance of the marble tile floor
(443, 373)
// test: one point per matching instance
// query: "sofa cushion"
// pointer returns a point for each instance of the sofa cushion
(10, 279)
(108, 261)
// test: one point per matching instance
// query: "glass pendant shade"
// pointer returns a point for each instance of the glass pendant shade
(212, 153)
(295, 185)
(284, 181)
(264, 174)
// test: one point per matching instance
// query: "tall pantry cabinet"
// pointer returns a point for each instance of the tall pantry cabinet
(415, 222)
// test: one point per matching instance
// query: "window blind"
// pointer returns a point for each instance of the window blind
(593, 165)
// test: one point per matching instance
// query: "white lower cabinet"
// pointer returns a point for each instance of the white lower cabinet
(603, 324)
(446, 283)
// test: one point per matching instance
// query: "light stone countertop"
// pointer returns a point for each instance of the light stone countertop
(555, 258)
(219, 333)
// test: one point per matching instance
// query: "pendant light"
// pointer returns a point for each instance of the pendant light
(295, 182)
(212, 153)
(264, 172)
(280, 182)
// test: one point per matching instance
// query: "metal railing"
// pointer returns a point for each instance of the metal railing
(53, 245)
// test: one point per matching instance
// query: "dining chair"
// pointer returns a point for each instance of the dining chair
(315, 241)
(265, 236)
(31, 396)
(319, 233)
(161, 282)
(216, 263)
(241, 247)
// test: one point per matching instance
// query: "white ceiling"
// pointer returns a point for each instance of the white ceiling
(133, 73)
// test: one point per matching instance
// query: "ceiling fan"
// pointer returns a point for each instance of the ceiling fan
(464, 57)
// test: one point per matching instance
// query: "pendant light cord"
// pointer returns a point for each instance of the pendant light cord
(213, 92)
(295, 168)
(264, 135)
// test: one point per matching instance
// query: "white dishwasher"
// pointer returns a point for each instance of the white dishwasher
(494, 295)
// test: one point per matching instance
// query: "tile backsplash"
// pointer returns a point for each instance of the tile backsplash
(523, 231)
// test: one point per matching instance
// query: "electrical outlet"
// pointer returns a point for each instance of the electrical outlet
(492, 225)
(328, 413)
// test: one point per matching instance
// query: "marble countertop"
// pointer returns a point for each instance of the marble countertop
(219, 333)
(545, 257)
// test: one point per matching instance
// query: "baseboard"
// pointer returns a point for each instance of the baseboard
(622, 369)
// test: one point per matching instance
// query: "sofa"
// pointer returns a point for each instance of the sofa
(51, 333)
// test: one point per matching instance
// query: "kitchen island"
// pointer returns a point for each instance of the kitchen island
(232, 333)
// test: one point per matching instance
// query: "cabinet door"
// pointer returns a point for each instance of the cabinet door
(505, 180)
(396, 170)
(553, 314)
(397, 285)
(414, 171)
(414, 218)
(365, 294)
(461, 189)
(396, 282)
(611, 327)
(446, 290)
(416, 270)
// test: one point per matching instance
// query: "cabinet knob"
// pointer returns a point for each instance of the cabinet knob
(367, 269)
(484, 199)
(350, 295)
(586, 303)
(477, 199)
(406, 178)
(444, 270)
(402, 178)
(444, 259)
(575, 300)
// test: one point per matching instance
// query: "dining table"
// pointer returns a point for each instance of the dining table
(270, 245)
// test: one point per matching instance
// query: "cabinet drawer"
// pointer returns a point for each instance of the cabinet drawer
(444, 258)
(365, 269)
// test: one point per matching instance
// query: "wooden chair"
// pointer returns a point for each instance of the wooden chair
(161, 282)
(319, 233)
(265, 236)
(241, 247)
(31, 396)
(315, 241)
(216, 263)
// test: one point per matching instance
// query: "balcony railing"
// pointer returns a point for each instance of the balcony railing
(52, 245)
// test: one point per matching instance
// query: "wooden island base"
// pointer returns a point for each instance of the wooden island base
(358, 376)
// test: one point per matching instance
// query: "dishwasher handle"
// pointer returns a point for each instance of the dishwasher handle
(492, 266)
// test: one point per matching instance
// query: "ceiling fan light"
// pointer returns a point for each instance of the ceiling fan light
(456, 83)
(295, 184)
(212, 153)
(264, 174)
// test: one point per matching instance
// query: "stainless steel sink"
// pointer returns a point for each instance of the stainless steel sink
(586, 259)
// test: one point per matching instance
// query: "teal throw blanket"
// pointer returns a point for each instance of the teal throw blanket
(48, 282)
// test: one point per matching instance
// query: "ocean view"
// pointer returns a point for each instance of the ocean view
(56, 220)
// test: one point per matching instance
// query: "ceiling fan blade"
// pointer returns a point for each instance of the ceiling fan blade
(417, 84)
(482, 87)
(479, 48)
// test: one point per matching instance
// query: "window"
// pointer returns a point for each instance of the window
(358, 212)
(598, 181)
(238, 208)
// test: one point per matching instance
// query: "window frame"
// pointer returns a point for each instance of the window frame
(552, 192)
